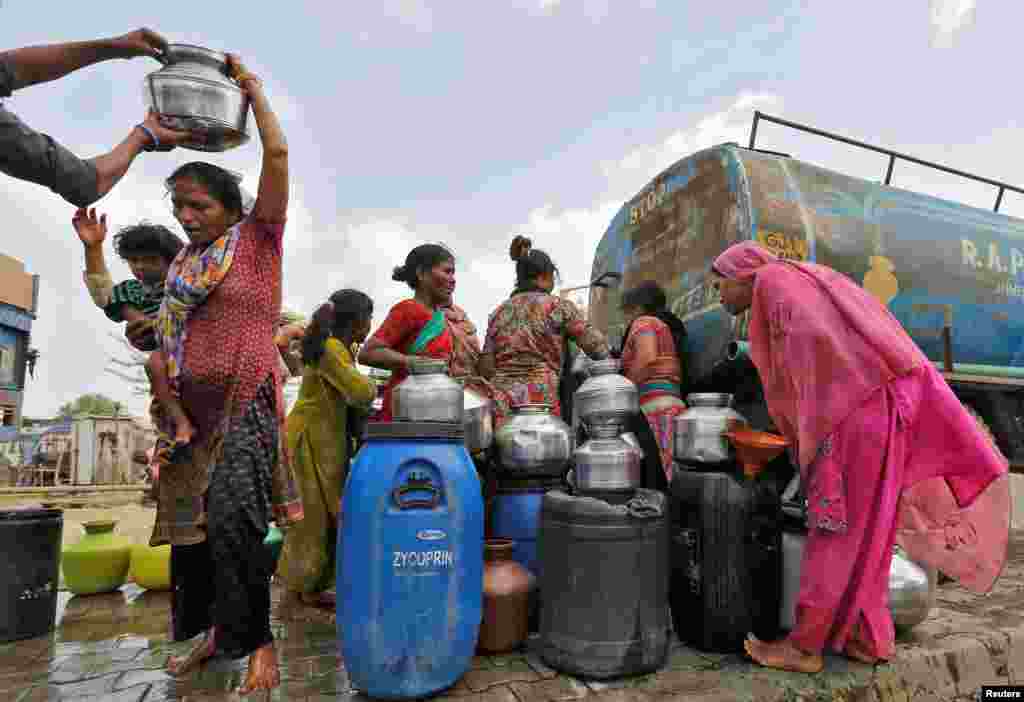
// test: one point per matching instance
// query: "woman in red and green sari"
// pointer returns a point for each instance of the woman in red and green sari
(415, 327)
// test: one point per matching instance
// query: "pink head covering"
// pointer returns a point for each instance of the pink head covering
(741, 261)
(820, 342)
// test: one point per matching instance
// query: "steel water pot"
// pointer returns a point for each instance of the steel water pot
(607, 397)
(193, 92)
(477, 420)
(699, 431)
(533, 442)
(911, 591)
(606, 463)
(428, 394)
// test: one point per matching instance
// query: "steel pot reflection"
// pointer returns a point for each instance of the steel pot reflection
(533, 442)
(699, 431)
(428, 394)
(606, 463)
(193, 91)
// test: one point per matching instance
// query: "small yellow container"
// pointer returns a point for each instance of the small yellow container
(151, 566)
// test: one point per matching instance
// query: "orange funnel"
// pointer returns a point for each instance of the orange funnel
(755, 449)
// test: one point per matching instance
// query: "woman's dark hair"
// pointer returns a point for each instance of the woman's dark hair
(147, 240)
(530, 263)
(336, 317)
(650, 298)
(422, 258)
(222, 185)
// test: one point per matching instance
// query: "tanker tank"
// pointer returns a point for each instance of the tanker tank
(931, 261)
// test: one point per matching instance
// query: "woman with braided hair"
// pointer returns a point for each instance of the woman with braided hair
(333, 397)
(527, 335)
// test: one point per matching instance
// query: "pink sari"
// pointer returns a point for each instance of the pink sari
(886, 452)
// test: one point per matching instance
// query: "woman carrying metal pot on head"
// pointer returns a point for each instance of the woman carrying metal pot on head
(417, 326)
(651, 358)
(886, 453)
(527, 334)
(215, 329)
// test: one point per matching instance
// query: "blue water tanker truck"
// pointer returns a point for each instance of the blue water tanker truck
(952, 274)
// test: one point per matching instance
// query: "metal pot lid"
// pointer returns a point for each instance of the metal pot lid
(182, 53)
(604, 366)
(412, 431)
(428, 366)
(709, 399)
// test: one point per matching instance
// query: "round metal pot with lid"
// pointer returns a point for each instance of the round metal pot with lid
(428, 394)
(698, 432)
(607, 396)
(606, 463)
(533, 442)
(193, 90)
(478, 419)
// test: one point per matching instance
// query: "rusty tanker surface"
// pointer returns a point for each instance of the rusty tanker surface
(921, 256)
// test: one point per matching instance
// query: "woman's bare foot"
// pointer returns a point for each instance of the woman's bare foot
(857, 652)
(263, 671)
(782, 654)
(204, 650)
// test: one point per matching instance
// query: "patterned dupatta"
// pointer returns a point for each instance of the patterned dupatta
(194, 274)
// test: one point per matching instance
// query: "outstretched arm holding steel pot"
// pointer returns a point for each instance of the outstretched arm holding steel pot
(29, 155)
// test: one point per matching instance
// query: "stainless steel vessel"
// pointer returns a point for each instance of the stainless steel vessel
(606, 463)
(428, 395)
(478, 420)
(911, 587)
(533, 442)
(911, 591)
(698, 432)
(193, 91)
(607, 397)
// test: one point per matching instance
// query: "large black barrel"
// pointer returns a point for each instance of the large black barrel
(604, 574)
(725, 559)
(30, 571)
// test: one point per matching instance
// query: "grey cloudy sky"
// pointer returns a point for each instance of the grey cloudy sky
(468, 122)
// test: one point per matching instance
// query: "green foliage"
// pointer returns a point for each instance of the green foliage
(91, 404)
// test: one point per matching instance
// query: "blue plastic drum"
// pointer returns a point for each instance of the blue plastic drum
(410, 561)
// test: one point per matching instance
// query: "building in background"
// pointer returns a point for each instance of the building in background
(19, 297)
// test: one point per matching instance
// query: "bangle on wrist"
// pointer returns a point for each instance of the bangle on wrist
(154, 142)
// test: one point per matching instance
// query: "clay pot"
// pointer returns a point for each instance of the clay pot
(151, 566)
(508, 587)
(99, 562)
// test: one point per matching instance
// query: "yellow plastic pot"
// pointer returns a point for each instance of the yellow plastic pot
(151, 566)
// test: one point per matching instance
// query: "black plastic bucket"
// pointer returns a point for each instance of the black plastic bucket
(30, 542)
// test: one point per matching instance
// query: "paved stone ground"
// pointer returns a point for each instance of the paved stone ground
(114, 647)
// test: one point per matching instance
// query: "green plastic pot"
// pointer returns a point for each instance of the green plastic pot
(99, 561)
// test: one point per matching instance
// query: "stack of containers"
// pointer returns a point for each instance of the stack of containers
(604, 548)
(726, 537)
(410, 546)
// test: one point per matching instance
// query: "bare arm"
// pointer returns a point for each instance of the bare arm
(272, 193)
(41, 64)
(378, 355)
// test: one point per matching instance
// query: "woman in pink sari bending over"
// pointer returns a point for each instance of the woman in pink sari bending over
(887, 454)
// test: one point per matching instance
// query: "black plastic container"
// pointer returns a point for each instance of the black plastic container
(726, 559)
(30, 542)
(604, 579)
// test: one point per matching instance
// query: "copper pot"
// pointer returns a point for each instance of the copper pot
(507, 590)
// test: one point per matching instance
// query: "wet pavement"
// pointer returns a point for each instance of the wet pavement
(114, 647)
